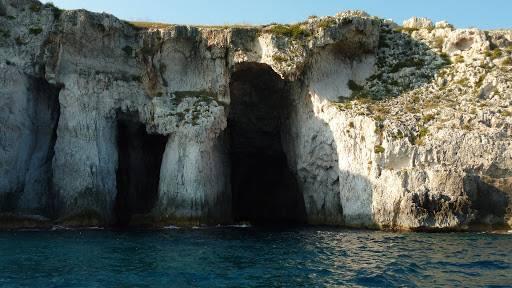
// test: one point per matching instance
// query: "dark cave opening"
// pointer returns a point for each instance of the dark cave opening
(138, 173)
(35, 194)
(47, 111)
(264, 189)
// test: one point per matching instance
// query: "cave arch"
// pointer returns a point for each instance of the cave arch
(138, 174)
(264, 189)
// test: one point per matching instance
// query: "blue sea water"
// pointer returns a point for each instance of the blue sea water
(253, 257)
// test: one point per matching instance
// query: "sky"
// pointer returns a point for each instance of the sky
(490, 14)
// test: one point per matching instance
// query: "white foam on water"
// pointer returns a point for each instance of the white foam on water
(171, 227)
(94, 228)
(240, 226)
(64, 228)
(59, 228)
(31, 230)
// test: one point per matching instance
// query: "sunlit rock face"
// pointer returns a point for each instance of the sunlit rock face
(345, 120)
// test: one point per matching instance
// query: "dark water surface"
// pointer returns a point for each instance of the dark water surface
(251, 257)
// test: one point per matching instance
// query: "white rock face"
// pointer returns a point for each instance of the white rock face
(29, 114)
(469, 41)
(418, 23)
(380, 130)
(443, 25)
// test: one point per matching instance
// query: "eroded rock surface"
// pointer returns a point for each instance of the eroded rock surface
(345, 120)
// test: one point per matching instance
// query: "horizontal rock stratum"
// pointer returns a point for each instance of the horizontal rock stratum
(346, 120)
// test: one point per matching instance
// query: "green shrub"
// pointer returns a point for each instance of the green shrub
(423, 132)
(494, 54)
(446, 58)
(438, 42)
(364, 97)
(352, 85)
(507, 61)
(378, 118)
(398, 135)
(419, 138)
(35, 30)
(50, 5)
(411, 108)
(418, 63)
(293, 31)
(5, 33)
(480, 81)
(203, 95)
(427, 118)
(128, 50)
(326, 23)
(380, 110)
(383, 42)
(462, 82)
(379, 149)
(506, 113)
(279, 58)
(56, 11)
(407, 30)
(280, 29)
(459, 59)
(379, 126)
(377, 76)
(19, 41)
(343, 106)
(35, 7)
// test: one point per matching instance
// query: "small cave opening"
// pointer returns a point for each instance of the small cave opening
(264, 189)
(34, 193)
(47, 115)
(138, 173)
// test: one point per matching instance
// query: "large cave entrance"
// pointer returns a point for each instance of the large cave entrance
(138, 174)
(264, 189)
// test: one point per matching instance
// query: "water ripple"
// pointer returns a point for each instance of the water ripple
(253, 257)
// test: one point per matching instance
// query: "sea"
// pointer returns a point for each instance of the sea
(245, 256)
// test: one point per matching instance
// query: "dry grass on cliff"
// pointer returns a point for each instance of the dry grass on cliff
(149, 25)
(157, 25)
(227, 26)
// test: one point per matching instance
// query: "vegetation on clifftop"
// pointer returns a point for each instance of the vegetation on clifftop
(295, 31)
(422, 84)
(149, 25)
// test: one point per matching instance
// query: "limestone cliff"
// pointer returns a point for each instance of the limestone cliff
(345, 120)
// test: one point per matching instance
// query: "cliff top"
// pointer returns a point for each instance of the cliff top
(418, 64)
